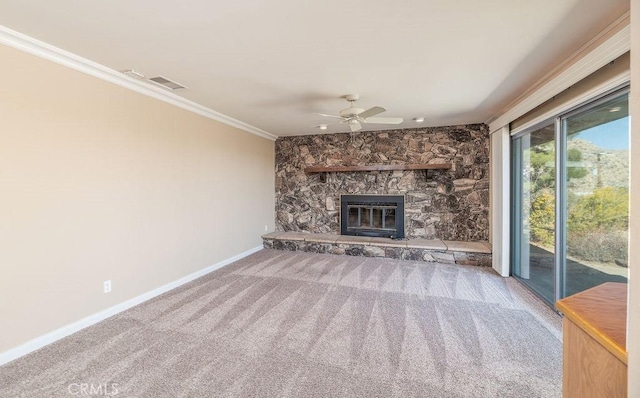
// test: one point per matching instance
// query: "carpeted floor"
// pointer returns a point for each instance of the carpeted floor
(294, 324)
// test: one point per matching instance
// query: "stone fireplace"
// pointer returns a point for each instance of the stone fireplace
(450, 204)
(372, 215)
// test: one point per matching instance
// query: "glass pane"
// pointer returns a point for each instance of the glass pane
(377, 217)
(390, 218)
(597, 170)
(354, 217)
(365, 221)
(534, 227)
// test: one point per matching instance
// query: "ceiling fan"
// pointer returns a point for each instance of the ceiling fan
(356, 116)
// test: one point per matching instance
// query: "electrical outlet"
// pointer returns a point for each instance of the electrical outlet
(266, 228)
(107, 286)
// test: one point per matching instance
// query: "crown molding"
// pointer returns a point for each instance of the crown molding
(51, 53)
(608, 45)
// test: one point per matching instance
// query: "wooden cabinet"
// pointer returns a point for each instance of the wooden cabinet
(594, 342)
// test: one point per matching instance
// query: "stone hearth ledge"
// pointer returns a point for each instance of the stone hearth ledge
(429, 250)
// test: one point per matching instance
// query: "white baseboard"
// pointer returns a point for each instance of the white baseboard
(65, 331)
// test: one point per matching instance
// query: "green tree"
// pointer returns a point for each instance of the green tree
(574, 155)
(542, 167)
(606, 209)
(542, 171)
(542, 218)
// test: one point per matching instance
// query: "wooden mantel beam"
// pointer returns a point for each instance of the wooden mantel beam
(387, 167)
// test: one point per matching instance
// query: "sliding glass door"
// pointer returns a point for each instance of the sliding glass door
(570, 200)
(534, 214)
(596, 185)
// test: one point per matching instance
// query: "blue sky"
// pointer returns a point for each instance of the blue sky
(612, 135)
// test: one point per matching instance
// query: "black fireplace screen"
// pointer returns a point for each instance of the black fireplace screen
(372, 215)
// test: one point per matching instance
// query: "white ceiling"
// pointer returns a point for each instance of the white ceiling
(271, 64)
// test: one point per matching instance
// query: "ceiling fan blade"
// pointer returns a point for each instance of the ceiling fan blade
(355, 125)
(383, 120)
(325, 115)
(371, 112)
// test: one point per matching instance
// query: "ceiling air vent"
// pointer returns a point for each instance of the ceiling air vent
(166, 83)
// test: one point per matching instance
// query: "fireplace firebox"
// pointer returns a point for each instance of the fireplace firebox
(372, 215)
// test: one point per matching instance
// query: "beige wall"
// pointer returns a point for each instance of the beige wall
(98, 182)
(633, 340)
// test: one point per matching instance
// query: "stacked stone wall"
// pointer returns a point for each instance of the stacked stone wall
(450, 204)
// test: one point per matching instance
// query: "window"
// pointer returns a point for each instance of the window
(570, 199)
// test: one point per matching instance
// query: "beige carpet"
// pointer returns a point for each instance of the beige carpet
(294, 324)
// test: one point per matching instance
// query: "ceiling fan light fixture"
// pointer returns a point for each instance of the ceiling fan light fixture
(354, 117)
(418, 119)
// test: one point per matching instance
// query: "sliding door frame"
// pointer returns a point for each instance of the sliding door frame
(559, 121)
(516, 203)
(560, 252)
